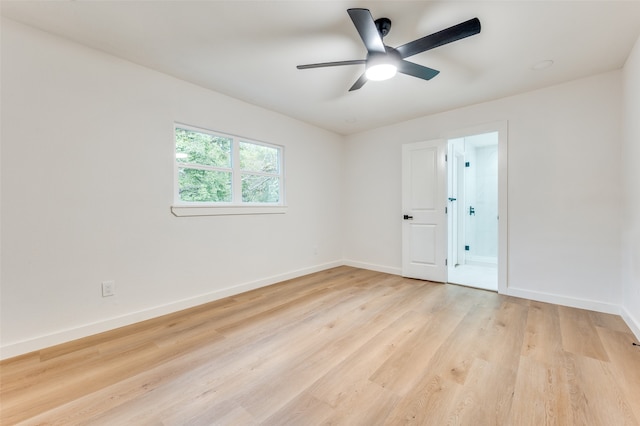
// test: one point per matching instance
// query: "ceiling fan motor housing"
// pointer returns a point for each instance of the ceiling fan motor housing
(390, 56)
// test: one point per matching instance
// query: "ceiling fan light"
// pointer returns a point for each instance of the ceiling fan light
(381, 72)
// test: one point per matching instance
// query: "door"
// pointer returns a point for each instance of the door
(424, 226)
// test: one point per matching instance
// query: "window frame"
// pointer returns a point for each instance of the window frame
(236, 205)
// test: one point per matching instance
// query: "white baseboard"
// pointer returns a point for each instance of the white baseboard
(632, 322)
(373, 267)
(591, 305)
(63, 336)
(41, 342)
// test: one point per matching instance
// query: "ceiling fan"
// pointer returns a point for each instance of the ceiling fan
(382, 61)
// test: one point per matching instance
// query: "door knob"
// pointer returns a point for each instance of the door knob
(407, 217)
(472, 211)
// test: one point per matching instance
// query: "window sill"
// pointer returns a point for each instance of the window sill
(191, 211)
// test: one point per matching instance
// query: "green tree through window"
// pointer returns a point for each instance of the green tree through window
(259, 163)
(207, 164)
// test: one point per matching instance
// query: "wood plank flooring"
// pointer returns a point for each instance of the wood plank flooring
(344, 346)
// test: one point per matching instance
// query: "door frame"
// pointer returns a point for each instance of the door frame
(502, 127)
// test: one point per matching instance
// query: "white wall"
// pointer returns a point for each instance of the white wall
(87, 172)
(564, 196)
(631, 185)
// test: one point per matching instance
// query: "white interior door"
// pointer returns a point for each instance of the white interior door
(424, 226)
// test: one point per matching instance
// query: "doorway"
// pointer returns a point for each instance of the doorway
(472, 202)
(431, 245)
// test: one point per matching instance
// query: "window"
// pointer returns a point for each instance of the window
(218, 170)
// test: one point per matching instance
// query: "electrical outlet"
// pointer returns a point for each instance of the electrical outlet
(108, 288)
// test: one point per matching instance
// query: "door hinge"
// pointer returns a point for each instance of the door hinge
(467, 164)
(445, 157)
(446, 262)
(466, 248)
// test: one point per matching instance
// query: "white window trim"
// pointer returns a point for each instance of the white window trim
(236, 206)
(201, 210)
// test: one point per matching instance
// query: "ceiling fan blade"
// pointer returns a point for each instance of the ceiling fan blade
(366, 27)
(415, 70)
(359, 83)
(331, 64)
(449, 35)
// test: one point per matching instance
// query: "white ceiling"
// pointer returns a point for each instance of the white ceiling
(249, 49)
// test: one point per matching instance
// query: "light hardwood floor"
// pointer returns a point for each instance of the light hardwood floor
(343, 346)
